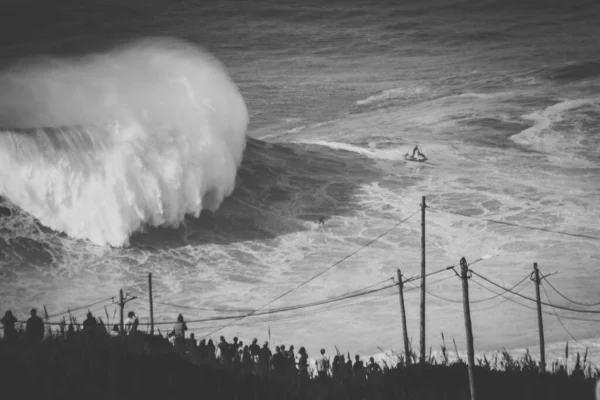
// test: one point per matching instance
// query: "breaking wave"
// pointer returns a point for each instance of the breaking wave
(105, 145)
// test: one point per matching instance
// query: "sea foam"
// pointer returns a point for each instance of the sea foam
(104, 145)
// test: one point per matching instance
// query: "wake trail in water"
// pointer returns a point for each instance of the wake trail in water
(105, 145)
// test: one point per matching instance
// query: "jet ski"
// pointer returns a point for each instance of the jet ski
(417, 158)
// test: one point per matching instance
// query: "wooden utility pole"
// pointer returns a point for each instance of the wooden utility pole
(464, 269)
(403, 312)
(151, 305)
(537, 281)
(422, 341)
(121, 307)
(122, 302)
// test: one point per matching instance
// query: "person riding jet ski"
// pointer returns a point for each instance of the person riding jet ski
(416, 153)
(415, 156)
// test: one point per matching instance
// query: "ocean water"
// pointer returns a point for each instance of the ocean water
(202, 142)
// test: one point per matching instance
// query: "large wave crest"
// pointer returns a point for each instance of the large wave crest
(104, 145)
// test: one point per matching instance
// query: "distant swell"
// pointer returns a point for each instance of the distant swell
(576, 72)
(102, 146)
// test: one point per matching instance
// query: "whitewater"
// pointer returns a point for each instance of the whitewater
(208, 160)
(105, 145)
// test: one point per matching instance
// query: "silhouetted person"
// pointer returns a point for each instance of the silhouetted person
(210, 351)
(241, 346)
(90, 323)
(416, 152)
(202, 350)
(179, 332)
(358, 365)
(348, 372)
(224, 351)
(335, 368)
(322, 365)
(254, 350)
(234, 350)
(131, 323)
(246, 361)
(34, 329)
(278, 362)
(358, 370)
(290, 357)
(264, 361)
(303, 363)
(374, 377)
(373, 370)
(9, 321)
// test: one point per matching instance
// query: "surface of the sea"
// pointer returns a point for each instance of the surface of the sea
(503, 97)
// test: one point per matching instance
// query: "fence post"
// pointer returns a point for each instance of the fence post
(403, 315)
(422, 340)
(151, 305)
(121, 307)
(464, 269)
(537, 281)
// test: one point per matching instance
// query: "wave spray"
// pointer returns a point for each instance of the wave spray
(104, 145)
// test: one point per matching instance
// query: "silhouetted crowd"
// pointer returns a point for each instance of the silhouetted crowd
(284, 363)
(94, 359)
(34, 327)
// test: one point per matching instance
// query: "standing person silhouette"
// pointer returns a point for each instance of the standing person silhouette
(34, 329)
(131, 323)
(179, 332)
(9, 321)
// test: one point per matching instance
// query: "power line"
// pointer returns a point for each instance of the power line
(414, 278)
(445, 269)
(370, 286)
(498, 295)
(81, 308)
(328, 308)
(557, 317)
(327, 301)
(351, 304)
(70, 320)
(533, 300)
(321, 273)
(355, 293)
(572, 301)
(277, 319)
(504, 299)
(474, 301)
(369, 299)
(272, 310)
(535, 309)
(517, 225)
(309, 313)
(290, 308)
(223, 310)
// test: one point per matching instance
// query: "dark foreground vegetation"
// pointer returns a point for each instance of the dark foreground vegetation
(96, 365)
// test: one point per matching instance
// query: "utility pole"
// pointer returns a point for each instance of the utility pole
(537, 280)
(122, 302)
(151, 306)
(422, 341)
(403, 315)
(464, 269)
